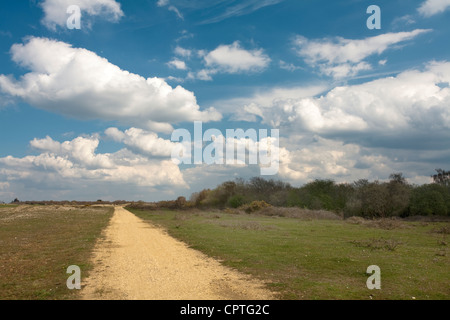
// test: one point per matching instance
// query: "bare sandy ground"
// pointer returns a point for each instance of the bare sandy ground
(137, 261)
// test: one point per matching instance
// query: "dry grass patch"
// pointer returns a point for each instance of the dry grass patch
(298, 213)
(377, 244)
(383, 223)
(245, 225)
(39, 243)
(445, 230)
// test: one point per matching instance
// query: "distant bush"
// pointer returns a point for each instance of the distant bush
(142, 206)
(180, 202)
(395, 198)
(236, 201)
(199, 198)
(255, 206)
(379, 200)
(430, 199)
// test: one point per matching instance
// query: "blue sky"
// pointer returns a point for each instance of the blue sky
(88, 114)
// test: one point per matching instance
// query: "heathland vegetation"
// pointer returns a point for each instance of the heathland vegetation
(362, 198)
(310, 242)
(316, 241)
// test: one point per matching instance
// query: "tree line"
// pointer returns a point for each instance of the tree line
(394, 198)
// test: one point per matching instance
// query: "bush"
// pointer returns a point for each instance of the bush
(370, 200)
(236, 201)
(255, 206)
(399, 195)
(431, 199)
(180, 202)
(199, 198)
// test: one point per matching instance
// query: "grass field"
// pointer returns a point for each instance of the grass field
(321, 259)
(38, 243)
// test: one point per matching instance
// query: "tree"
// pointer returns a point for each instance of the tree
(442, 177)
(199, 197)
(236, 201)
(399, 194)
(397, 178)
(180, 202)
(430, 199)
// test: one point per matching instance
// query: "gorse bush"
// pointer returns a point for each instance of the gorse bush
(255, 206)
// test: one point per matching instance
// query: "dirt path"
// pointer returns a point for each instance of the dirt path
(139, 261)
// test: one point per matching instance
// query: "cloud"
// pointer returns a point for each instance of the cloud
(233, 59)
(314, 157)
(4, 185)
(142, 142)
(215, 11)
(80, 151)
(242, 8)
(185, 53)
(405, 20)
(56, 11)
(262, 101)
(177, 64)
(409, 110)
(341, 57)
(364, 131)
(177, 12)
(78, 83)
(162, 3)
(76, 165)
(174, 79)
(204, 75)
(432, 7)
(229, 59)
(166, 3)
(289, 66)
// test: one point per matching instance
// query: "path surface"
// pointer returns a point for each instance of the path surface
(135, 260)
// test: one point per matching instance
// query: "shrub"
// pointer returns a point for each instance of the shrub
(370, 200)
(199, 198)
(431, 199)
(180, 202)
(255, 206)
(236, 201)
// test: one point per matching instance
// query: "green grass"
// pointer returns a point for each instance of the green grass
(38, 244)
(319, 259)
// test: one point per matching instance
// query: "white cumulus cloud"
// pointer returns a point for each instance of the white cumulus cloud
(78, 162)
(234, 59)
(77, 82)
(413, 102)
(177, 64)
(142, 142)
